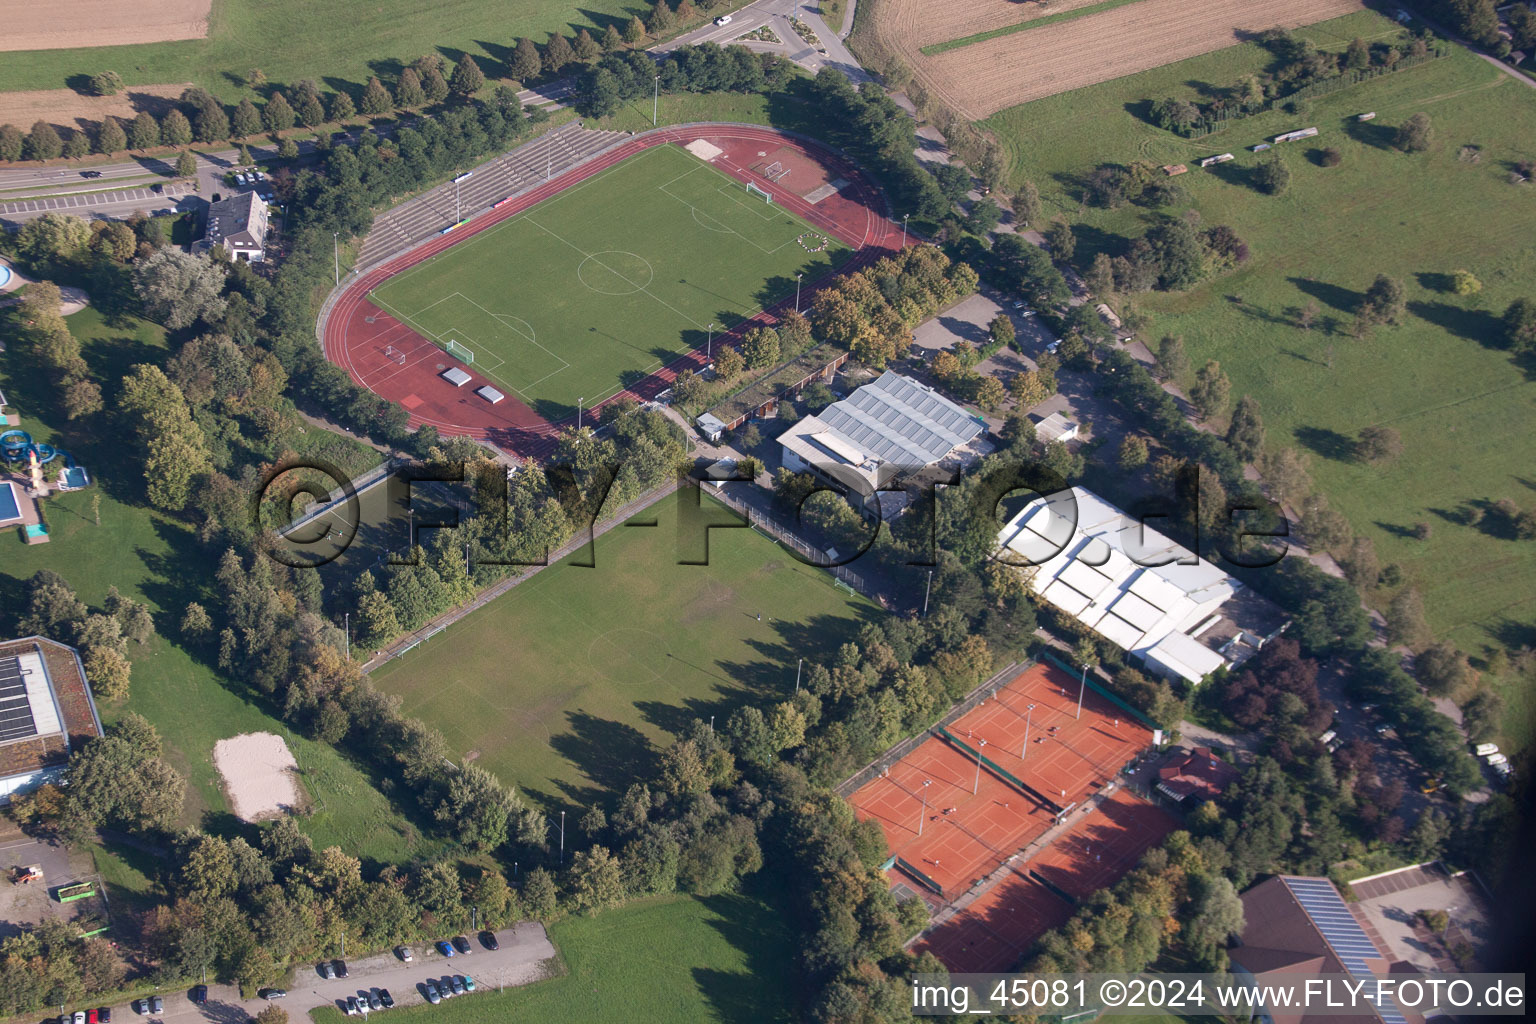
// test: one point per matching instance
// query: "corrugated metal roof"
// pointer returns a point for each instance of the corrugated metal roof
(899, 421)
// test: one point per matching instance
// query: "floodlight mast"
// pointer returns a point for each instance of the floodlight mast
(456, 183)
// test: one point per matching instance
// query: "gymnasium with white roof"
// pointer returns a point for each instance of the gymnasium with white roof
(1124, 580)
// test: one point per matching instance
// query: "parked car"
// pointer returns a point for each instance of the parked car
(430, 988)
(404, 953)
(199, 995)
(90, 174)
(104, 1015)
(724, 19)
(1496, 759)
(352, 1008)
(446, 948)
(1484, 749)
(156, 1005)
(158, 190)
(469, 983)
(385, 998)
(91, 1017)
(374, 1002)
(461, 944)
(273, 993)
(79, 1017)
(326, 970)
(457, 984)
(488, 940)
(341, 967)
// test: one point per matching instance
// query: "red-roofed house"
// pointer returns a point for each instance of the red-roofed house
(1194, 773)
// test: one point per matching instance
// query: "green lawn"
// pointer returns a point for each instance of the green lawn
(1459, 400)
(565, 686)
(334, 43)
(588, 292)
(670, 960)
(153, 558)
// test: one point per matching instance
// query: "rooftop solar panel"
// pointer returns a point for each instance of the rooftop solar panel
(1341, 931)
(15, 709)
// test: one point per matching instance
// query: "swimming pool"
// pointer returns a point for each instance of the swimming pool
(75, 478)
(10, 507)
(5, 275)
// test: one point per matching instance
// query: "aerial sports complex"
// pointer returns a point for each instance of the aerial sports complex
(608, 278)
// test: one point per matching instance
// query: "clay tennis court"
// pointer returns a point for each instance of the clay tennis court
(976, 818)
(951, 822)
(998, 927)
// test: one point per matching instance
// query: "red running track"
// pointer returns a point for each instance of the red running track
(355, 333)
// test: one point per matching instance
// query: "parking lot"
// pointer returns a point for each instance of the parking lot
(521, 958)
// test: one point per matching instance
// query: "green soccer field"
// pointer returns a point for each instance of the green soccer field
(591, 291)
(569, 685)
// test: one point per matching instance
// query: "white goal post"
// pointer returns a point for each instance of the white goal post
(753, 189)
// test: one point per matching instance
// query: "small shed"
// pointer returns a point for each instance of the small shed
(710, 427)
(490, 394)
(1173, 169)
(1261, 147)
(1056, 427)
(1219, 158)
(1369, 115)
(456, 376)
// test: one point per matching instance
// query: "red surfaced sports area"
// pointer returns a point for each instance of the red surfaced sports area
(361, 338)
(1009, 800)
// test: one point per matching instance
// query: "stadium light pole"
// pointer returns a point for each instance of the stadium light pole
(562, 837)
(336, 254)
(904, 229)
(926, 591)
(976, 786)
(709, 343)
(926, 784)
(456, 182)
(578, 413)
(346, 619)
(655, 99)
(1029, 713)
(1081, 687)
(797, 676)
(797, 291)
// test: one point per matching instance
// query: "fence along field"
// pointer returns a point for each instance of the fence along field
(988, 76)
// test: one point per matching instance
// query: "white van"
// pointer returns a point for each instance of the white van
(724, 19)
(1484, 749)
(1496, 759)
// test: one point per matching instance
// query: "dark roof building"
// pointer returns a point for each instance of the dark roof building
(239, 224)
(1194, 773)
(1294, 925)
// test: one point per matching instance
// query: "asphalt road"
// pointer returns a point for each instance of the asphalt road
(523, 947)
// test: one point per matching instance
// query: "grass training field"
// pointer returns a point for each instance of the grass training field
(568, 685)
(589, 292)
(1460, 401)
(338, 43)
(725, 959)
(146, 556)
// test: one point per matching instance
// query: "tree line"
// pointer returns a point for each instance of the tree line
(1300, 71)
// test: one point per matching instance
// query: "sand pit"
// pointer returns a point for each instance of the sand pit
(64, 24)
(260, 775)
(66, 108)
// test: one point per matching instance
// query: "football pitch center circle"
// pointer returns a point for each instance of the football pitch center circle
(615, 272)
